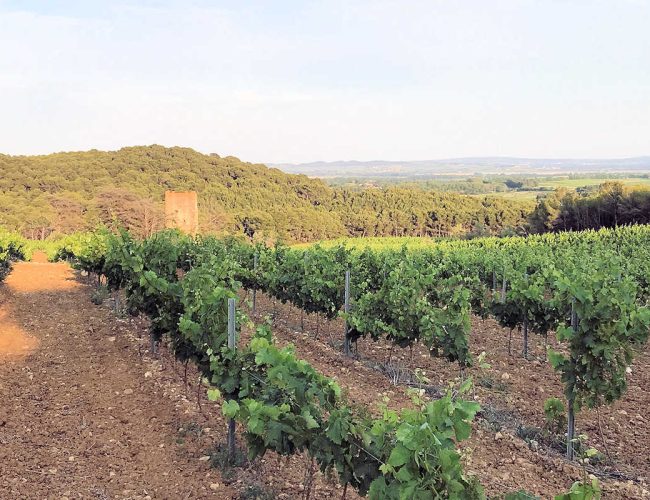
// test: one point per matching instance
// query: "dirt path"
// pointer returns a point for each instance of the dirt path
(83, 415)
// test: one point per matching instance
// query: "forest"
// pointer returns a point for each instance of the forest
(66, 192)
(50, 195)
(610, 205)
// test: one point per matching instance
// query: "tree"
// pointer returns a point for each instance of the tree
(119, 207)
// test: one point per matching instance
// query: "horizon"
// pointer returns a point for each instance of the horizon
(301, 82)
(459, 158)
(343, 160)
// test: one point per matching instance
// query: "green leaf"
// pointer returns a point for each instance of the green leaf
(465, 386)
(399, 456)
(310, 420)
(404, 475)
(555, 358)
(230, 408)
(214, 394)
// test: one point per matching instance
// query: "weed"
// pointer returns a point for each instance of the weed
(489, 383)
(256, 491)
(496, 419)
(99, 295)
(192, 429)
(219, 460)
(555, 414)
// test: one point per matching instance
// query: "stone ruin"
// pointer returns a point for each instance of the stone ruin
(181, 211)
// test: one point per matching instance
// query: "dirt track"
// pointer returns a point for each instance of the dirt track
(83, 416)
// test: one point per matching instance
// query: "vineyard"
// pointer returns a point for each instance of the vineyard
(215, 304)
(12, 247)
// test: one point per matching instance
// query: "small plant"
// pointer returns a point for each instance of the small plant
(588, 488)
(520, 495)
(529, 433)
(496, 419)
(219, 460)
(489, 383)
(555, 414)
(99, 295)
(193, 428)
(585, 489)
(481, 363)
(256, 491)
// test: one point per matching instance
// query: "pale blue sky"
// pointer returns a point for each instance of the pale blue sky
(299, 81)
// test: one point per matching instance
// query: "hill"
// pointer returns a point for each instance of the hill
(64, 192)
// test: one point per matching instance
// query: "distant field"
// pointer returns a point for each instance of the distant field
(518, 195)
(572, 183)
(593, 181)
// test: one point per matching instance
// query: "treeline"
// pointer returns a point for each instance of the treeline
(66, 192)
(413, 212)
(475, 185)
(611, 205)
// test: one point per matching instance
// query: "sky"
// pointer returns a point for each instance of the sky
(298, 81)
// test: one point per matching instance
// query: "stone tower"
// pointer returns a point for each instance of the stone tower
(181, 211)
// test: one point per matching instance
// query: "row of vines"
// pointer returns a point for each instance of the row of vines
(12, 247)
(591, 288)
(283, 403)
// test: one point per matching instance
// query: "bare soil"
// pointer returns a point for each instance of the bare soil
(84, 415)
